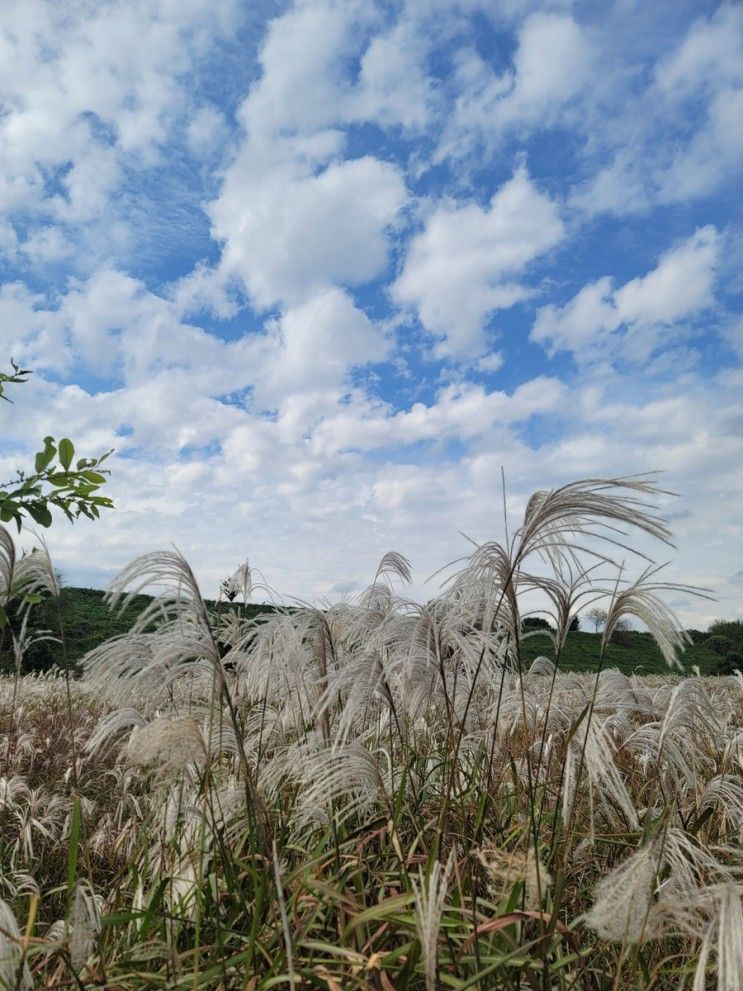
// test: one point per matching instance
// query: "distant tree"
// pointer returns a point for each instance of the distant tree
(730, 628)
(597, 617)
(534, 623)
(730, 663)
(574, 625)
(720, 644)
(54, 480)
(622, 634)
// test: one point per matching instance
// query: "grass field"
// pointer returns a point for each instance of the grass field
(376, 796)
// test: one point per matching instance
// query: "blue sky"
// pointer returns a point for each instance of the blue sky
(317, 270)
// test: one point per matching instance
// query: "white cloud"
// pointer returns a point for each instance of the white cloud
(711, 54)
(302, 68)
(47, 245)
(680, 286)
(465, 263)
(306, 85)
(88, 90)
(288, 235)
(292, 216)
(8, 239)
(207, 131)
(311, 348)
(677, 289)
(460, 411)
(552, 64)
(394, 86)
(676, 138)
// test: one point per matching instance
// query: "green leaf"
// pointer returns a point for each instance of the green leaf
(44, 458)
(33, 598)
(94, 477)
(60, 479)
(66, 452)
(39, 511)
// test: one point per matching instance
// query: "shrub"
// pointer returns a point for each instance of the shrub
(731, 628)
(534, 623)
(730, 663)
(719, 644)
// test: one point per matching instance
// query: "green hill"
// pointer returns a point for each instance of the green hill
(88, 621)
(638, 653)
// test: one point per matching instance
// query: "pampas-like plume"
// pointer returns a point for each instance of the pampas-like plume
(85, 924)
(640, 599)
(34, 572)
(14, 972)
(505, 868)
(591, 507)
(430, 894)
(392, 565)
(727, 920)
(7, 564)
(337, 777)
(183, 642)
(240, 583)
(623, 898)
(169, 745)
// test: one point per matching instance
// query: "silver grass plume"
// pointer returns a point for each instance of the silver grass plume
(727, 920)
(14, 972)
(641, 600)
(35, 573)
(392, 565)
(168, 744)
(182, 639)
(590, 507)
(623, 898)
(85, 924)
(240, 583)
(7, 565)
(430, 893)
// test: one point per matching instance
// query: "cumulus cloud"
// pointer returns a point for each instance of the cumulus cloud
(288, 235)
(86, 90)
(311, 348)
(460, 411)
(679, 287)
(552, 65)
(465, 263)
